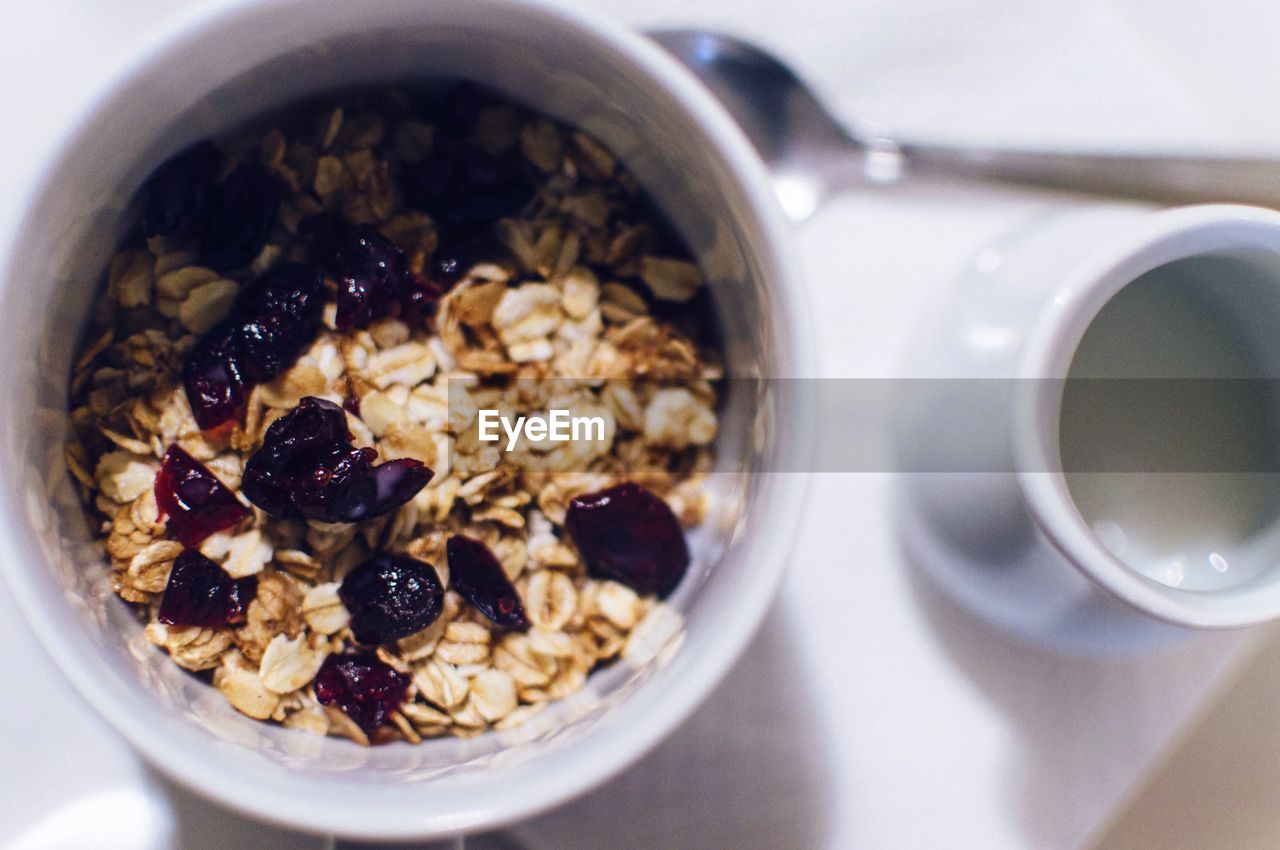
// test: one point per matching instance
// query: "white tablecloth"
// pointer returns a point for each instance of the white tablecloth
(869, 712)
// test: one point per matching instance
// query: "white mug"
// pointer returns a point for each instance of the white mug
(222, 69)
(1101, 559)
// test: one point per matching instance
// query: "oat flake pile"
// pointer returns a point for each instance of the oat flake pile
(266, 427)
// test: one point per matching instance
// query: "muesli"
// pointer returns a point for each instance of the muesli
(275, 415)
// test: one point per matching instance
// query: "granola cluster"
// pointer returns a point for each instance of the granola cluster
(579, 300)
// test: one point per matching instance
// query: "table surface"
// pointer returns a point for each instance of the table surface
(890, 720)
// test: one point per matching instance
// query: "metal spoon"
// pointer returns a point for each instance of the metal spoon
(812, 153)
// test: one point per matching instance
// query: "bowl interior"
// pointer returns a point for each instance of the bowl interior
(231, 70)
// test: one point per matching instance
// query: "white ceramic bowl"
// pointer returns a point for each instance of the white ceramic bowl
(220, 70)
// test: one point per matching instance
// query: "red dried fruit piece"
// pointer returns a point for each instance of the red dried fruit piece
(462, 185)
(362, 686)
(418, 297)
(211, 376)
(466, 190)
(390, 597)
(278, 315)
(176, 190)
(274, 318)
(200, 593)
(308, 468)
(477, 575)
(456, 113)
(289, 452)
(196, 502)
(237, 217)
(457, 250)
(628, 534)
(374, 275)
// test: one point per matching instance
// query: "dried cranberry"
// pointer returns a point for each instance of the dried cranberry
(215, 388)
(396, 482)
(176, 190)
(459, 108)
(628, 534)
(336, 484)
(475, 572)
(462, 185)
(457, 250)
(374, 275)
(466, 190)
(308, 468)
(390, 597)
(196, 502)
(364, 687)
(324, 233)
(278, 315)
(200, 593)
(273, 320)
(418, 297)
(271, 473)
(372, 267)
(238, 216)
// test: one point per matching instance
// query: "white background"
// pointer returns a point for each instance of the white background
(868, 713)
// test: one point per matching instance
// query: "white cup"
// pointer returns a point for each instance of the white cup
(1103, 559)
(222, 69)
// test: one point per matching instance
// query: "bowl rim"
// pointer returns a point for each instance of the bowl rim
(160, 737)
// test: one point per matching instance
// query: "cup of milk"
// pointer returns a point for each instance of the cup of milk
(1125, 487)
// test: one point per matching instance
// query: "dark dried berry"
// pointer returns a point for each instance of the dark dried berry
(308, 468)
(457, 250)
(418, 297)
(477, 575)
(374, 279)
(176, 190)
(200, 593)
(364, 687)
(337, 484)
(628, 534)
(274, 318)
(195, 501)
(313, 425)
(367, 264)
(372, 268)
(211, 376)
(396, 482)
(238, 216)
(291, 291)
(466, 190)
(324, 234)
(390, 597)
(458, 110)
(461, 185)
(279, 315)
(291, 449)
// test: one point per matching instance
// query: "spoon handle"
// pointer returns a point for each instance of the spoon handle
(1172, 179)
